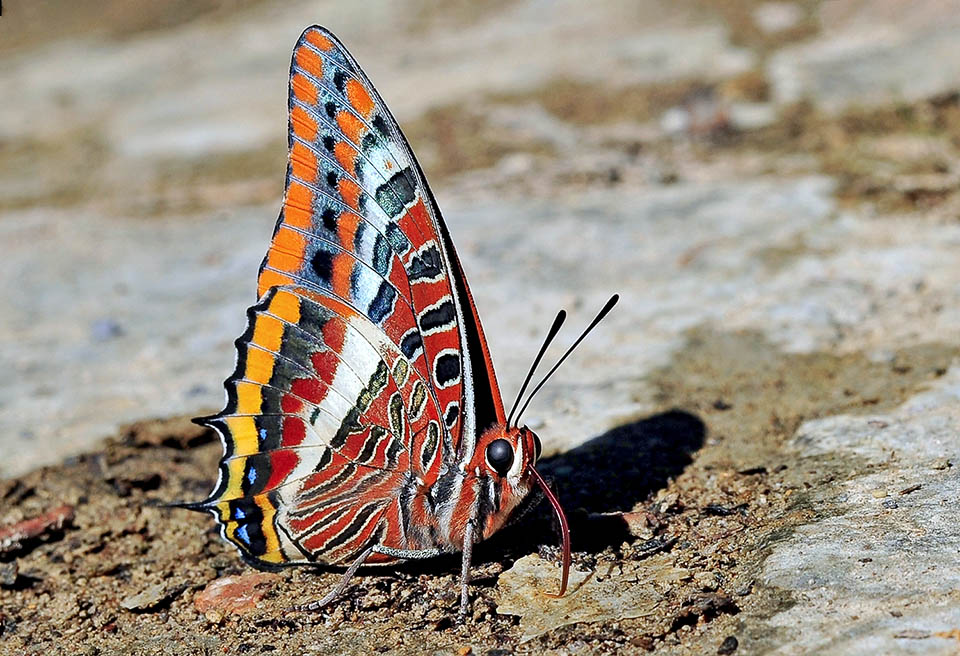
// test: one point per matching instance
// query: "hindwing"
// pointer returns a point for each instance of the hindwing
(322, 427)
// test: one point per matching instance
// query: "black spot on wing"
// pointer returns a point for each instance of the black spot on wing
(256, 473)
(430, 445)
(451, 415)
(370, 446)
(442, 315)
(411, 343)
(381, 255)
(269, 432)
(325, 460)
(322, 265)
(397, 239)
(249, 532)
(358, 235)
(271, 400)
(312, 319)
(340, 81)
(329, 218)
(347, 426)
(393, 452)
(369, 142)
(380, 125)
(296, 344)
(425, 265)
(446, 368)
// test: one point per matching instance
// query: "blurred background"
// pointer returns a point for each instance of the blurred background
(788, 168)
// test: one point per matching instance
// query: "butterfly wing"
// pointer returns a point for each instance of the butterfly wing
(363, 369)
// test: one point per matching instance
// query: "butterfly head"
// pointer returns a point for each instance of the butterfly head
(506, 453)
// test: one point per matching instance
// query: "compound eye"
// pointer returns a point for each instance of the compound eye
(537, 446)
(500, 456)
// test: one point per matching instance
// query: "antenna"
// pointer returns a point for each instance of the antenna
(554, 329)
(600, 315)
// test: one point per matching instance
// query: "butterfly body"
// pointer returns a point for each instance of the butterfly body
(363, 421)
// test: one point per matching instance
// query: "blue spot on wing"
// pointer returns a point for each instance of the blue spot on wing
(382, 304)
(241, 533)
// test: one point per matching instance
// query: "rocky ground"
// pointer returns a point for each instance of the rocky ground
(756, 449)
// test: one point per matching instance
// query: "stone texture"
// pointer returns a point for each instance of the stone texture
(872, 53)
(876, 573)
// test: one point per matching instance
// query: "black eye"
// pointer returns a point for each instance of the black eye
(500, 456)
(537, 446)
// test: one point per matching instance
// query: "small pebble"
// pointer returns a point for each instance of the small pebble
(728, 646)
(706, 581)
(16, 537)
(878, 494)
(668, 501)
(234, 594)
(145, 599)
(8, 574)
(644, 642)
(890, 504)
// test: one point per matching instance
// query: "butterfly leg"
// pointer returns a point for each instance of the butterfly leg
(465, 573)
(430, 553)
(341, 586)
(405, 554)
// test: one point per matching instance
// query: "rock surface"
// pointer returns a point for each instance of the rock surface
(873, 53)
(879, 565)
(602, 595)
(756, 449)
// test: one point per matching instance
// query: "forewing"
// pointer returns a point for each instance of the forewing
(360, 222)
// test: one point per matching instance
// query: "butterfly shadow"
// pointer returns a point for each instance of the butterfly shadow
(595, 482)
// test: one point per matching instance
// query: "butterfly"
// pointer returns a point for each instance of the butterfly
(363, 422)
